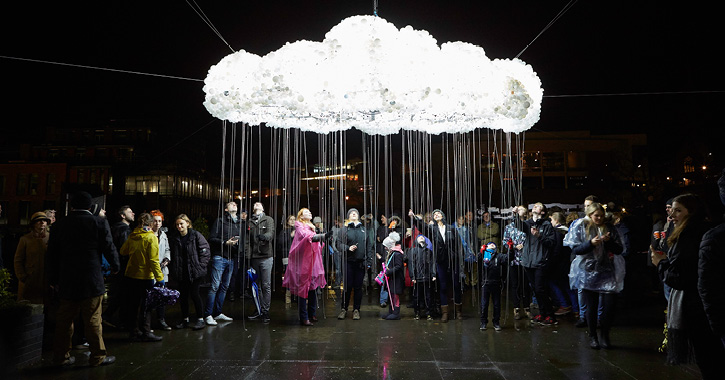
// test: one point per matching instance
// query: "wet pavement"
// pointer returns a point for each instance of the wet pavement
(371, 348)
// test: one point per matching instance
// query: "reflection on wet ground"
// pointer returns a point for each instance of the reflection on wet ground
(372, 348)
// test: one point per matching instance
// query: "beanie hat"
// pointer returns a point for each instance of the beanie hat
(390, 241)
(351, 210)
(721, 185)
(81, 201)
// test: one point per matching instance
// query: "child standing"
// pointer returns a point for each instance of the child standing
(491, 284)
(394, 274)
(422, 271)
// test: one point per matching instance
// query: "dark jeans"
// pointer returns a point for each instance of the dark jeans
(538, 279)
(353, 281)
(491, 292)
(518, 286)
(609, 301)
(422, 299)
(308, 307)
(138, 319)
(188, 289)
(448, 277)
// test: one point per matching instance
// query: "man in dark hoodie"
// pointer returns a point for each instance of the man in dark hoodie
(352, 241)
(540, 241)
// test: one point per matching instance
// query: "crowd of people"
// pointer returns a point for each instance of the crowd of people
(547, 263)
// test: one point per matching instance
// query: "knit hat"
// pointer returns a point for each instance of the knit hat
(721, 185)
(351, 210)
(390, 241)
(39, 216)
(316, 220)
(81, 201)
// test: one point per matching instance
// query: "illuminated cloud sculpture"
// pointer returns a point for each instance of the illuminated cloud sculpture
(370, 75)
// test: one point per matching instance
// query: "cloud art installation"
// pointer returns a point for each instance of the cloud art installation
(370, 75)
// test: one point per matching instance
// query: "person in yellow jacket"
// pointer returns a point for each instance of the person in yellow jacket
(142, 249)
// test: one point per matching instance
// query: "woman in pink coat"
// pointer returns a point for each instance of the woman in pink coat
(305, 272)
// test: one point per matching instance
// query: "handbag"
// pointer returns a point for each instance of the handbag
(158, 296)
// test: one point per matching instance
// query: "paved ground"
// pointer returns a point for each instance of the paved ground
(372, 348)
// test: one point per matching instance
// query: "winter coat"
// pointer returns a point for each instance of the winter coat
(536, 251)
(73, 260)
(446, 248)
(164, 254)
(260, 236)
(120, 232)
(421, 262)
(395, 273)
(222, 230)
(305, 271)
(30, 267)
(284, 241)
(613, 245)
(679, 269)
(490, 273)
(355, 234)
(195, 255)
(710, 284)
(142, 249)
(561, 255)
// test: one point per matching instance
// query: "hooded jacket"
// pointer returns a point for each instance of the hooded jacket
(222, 230)
(189, 261)
(536, 251)
(421, 262)
(142, 249)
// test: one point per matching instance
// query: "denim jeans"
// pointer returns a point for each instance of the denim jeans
(263, 267)
(491, 292)
(221, 276)
(307, 307)
(383, 296)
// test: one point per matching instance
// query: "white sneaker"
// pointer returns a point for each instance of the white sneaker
(223, 318)
(210, 321)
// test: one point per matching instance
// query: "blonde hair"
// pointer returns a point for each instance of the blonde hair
(184, 218)
(306, 222)
(592, 229)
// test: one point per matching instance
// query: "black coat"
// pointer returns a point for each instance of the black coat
(447, 251)
(222, 230)
(396, 273)
(73, 259)
(679, 270)
(197, 256)
(260, 237)
(355, 234)
(710, 284)
(421, 264)
(490, 273)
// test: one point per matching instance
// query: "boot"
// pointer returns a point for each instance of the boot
(457, 310)
(395, 315)
(605, 343)
(517, 313)
(593, 341)
(444, 313)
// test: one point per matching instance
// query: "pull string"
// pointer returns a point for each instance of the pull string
(558, 16)
(208, 22)
(375, 8)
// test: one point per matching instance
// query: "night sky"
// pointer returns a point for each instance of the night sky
(596, 47)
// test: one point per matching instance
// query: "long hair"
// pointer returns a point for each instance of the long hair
(592, 229)
(299, 218)
(696, 212)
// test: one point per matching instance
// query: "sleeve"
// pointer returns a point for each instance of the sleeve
(583, 248)
(215, 235)
(548, 238)
(341, 240)
(396, 264)
(369, 254)
(20, 256)
(316, 238)
(166, 254)
(411, 263)
(710, 284)
(269, 234)
(108, 247)
(202, 249)
(615, 245)
(154, 259)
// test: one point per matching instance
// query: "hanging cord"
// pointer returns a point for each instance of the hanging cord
(208, 22)
(100, 68)
(375, 8)
(558, 16)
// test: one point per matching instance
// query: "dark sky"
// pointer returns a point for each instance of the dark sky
(597, 47)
